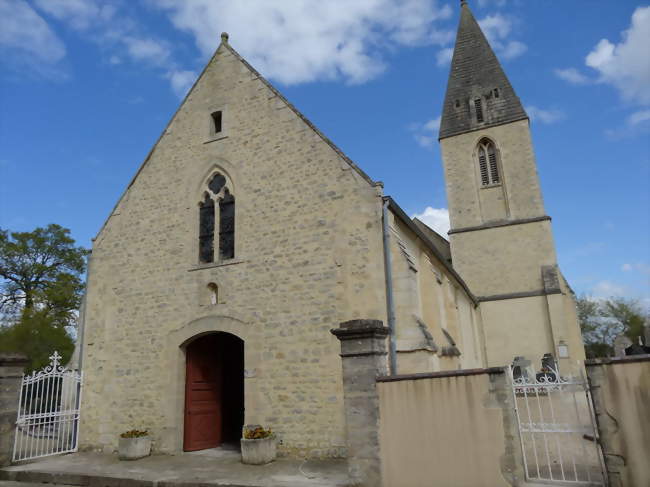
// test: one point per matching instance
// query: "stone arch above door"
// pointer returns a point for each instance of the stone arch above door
(171, 438)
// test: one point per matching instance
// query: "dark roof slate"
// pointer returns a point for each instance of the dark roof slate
(476, 73)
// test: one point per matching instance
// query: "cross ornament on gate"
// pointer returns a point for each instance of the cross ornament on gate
(55, 359)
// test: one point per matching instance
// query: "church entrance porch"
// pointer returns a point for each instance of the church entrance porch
(214, 391)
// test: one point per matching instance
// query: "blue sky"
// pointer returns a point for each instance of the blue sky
(87, 86)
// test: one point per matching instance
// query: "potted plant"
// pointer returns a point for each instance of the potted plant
(134, 444)
(258, 446)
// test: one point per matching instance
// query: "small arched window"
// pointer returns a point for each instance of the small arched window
(488, 163)
(217, 195)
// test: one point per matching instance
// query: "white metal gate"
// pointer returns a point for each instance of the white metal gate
(48, 412)
(557, 428)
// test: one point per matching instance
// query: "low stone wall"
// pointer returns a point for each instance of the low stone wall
(620, 389)
(453, 428)
(11, 373)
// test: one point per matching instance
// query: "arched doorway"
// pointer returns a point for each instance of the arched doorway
(214, 391)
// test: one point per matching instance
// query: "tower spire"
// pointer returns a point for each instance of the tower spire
(479, 94)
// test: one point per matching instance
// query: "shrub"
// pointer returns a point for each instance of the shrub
(134, 434)
(257, 433)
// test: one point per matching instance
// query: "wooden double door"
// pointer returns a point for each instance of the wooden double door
(214, 391)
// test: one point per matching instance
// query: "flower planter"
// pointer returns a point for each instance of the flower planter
(259, 451)
(134, 448)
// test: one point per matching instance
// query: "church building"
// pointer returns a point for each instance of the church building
(247, 235)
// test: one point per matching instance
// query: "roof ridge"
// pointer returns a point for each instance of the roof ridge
(309, 123)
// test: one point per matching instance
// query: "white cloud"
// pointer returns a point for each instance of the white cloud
(572, 75)
(638, 117)
(149, 50)
(26, 39)
(295, 42)
(436, 218)
(443, 57)
(513, 49)
(635, 124)
(636, 267)
(80, 14)
(181, 81)
(119, 35)
(608, 289)
(497, 3)
(626, 65)
(547, 117)
(497, 28)
(426, 134)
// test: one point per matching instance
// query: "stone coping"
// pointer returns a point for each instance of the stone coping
(445, 373)
(618, 360)
(13, 359)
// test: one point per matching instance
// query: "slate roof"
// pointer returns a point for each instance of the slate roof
(476, 73)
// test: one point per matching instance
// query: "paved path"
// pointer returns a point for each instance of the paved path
(211, 469)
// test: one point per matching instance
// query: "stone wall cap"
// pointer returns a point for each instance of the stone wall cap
(362, 323)
(443, 374)
(13, 358)
(360, 329)
(618, 360)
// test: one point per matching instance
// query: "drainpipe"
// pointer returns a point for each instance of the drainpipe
(390, 303)
(82, 317)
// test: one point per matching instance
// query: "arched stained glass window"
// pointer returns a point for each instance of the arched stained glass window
(216, 196)
(227, 226)
(206, 229)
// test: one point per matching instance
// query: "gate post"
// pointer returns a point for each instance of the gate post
(11, 374)
(363, 353)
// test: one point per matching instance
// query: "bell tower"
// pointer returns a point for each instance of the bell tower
(501, 239)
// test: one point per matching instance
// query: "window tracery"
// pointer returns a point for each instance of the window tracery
(217, 195)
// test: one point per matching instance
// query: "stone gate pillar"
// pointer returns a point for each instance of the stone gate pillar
(11, 374)
(364, 357)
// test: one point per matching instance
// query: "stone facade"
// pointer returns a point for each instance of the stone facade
(309, 253)
(303, 263)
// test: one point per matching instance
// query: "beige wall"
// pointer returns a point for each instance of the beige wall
(522, 193)
(303, 263)
(621, 393)
(504, 259)
(427, 295)
(532, 326)
(516, 327)
(454, 431)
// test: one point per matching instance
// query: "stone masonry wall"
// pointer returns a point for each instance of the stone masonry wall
(11, 374)
(304, 262)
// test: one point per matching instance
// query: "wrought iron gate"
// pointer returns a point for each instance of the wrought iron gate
(48, 412)
(557, 428)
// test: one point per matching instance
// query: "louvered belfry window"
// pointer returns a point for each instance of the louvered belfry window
(217, 209)
(488, 163)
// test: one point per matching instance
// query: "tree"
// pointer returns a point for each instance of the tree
(35, 336)
(601, 321)
(41, 288)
